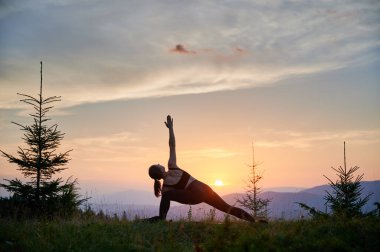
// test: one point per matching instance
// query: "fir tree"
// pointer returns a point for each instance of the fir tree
(345, 199)
(39, 161)
(252, 201)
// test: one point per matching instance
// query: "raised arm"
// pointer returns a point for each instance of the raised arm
(172, 163)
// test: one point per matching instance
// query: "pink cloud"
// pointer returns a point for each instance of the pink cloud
(233, 54)
(239, 50)
(181, 49)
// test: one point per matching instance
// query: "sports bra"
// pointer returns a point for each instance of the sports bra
(182, 182)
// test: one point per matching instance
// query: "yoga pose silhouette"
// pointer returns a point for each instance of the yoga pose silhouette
(180, 186)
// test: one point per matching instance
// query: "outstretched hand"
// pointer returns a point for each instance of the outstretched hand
(169, 122)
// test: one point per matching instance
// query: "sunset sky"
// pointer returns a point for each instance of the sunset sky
(297, 78)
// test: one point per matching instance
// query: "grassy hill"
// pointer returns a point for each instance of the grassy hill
(111, 234)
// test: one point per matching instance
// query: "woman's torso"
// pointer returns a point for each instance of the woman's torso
(177, 178)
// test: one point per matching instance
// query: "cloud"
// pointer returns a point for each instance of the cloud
(239, 50)
(181, 49)
(95, 51)
(307, 140)
(106, 148)
(231, 54)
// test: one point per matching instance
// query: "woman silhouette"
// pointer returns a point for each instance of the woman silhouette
(180, 186)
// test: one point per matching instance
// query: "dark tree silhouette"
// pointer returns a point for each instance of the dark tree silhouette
(252, 200)
(39, 161)
(345, 199)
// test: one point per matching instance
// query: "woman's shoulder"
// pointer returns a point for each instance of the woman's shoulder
(174, 167)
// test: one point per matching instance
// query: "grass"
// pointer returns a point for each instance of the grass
(107, 234)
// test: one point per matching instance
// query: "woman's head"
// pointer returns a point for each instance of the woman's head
(157, 172)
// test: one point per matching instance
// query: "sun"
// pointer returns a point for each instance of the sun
(218, 182)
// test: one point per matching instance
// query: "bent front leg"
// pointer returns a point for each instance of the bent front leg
(180, 196)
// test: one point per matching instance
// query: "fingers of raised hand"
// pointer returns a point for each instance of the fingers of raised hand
(169, 121)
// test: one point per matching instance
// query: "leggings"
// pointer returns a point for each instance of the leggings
(198, 192)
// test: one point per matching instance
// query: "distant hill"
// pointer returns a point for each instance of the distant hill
(129, 197)
(284, 189)
(368, 186)
(282, 204)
